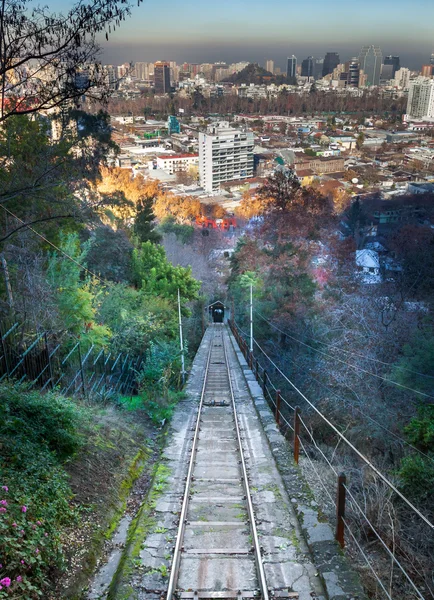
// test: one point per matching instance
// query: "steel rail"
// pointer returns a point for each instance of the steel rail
(183, 517)
(257, 549)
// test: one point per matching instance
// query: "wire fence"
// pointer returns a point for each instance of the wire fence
(362, 509)
(41, 361)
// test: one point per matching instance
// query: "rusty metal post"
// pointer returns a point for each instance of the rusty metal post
(251, 360)
(340, 510)
(278, 400)
(264, 383)
(257, 369)
(296, 434)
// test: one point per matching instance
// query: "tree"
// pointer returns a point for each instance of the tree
(43, 55)
(157, 276)
(144, 226)
(360, 140)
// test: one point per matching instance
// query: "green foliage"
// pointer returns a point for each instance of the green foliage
(420, 430)
(183, 232)
(37, 432)
(418, 357)
(417, 476)
(144, 226)
(153, 273)
(76, 300)
(310, 152)
(135, 318)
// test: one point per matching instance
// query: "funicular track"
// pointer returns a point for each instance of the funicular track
(217, 552)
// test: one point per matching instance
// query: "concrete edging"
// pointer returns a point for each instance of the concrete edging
(340, 580)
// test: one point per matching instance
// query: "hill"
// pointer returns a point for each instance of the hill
(253, 73)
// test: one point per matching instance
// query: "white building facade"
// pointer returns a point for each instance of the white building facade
(225, 154)
(175, 163)
(421, 98)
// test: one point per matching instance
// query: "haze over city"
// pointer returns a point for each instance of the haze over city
(233, 31)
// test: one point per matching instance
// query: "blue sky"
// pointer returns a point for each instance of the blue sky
(201, 31)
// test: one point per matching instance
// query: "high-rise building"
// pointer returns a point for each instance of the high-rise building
(431, 60)
(387, 73)
(394, 62)
(162, 77)
(291, 69)
(225, 154)
(402, 78)
(307, 67)
(421, 98)
(144, 70)
(353, 79)
(269, 66)
(331, 61)
(318, 65)
(370, 60)
(427, 70)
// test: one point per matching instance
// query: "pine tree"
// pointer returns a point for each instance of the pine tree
(144, 227)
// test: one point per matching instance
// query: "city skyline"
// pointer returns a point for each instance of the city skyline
(198, 32)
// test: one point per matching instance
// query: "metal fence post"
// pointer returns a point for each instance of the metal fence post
(50, 367)
(296, 434)
(81, 370)
(340, 510)
(257, 369)
(278, 400)
(251, 360)
(264, 383)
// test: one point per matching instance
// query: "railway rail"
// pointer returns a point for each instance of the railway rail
(217, 552)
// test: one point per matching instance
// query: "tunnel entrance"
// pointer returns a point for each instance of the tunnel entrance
(217, 312)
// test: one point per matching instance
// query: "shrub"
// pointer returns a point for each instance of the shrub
(37, 433)
(417, 476)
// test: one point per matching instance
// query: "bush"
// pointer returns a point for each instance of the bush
(37, 433)
(417, 476)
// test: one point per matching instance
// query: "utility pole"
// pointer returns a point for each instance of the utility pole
(251, 318)
(181, 342)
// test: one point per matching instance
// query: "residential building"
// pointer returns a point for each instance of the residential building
(307, 67)
(421, 98)
(177, 162)
(291, 69)
(331, 61)
(402, 78)
(269, 66)
(162, 77)
(225, 154)
(320, 165)
(144, 70)
(394, 62)
(370, 60)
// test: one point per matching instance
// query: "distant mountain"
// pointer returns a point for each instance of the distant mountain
(253, 73)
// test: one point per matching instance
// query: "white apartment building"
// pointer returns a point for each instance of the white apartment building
(176, 162)
(225, 154)
(421, 98)
(402, 78)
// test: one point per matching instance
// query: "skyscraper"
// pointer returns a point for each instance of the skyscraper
(353, 78)
(431, 60)
(370, 60)
(395, 62)
(331, 61)
(318, 66)
(269, 66)
(162, 77)
(421, 98)
(291, 68)
(307, 67)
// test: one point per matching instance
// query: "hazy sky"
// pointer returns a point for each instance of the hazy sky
(255, 30)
